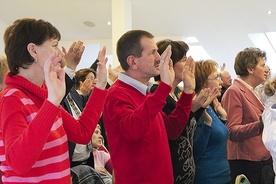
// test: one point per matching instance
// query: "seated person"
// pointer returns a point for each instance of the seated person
(102, 160)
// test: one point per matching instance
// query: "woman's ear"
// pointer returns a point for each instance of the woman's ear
(131, 61)
(250, 70)
(31, 47)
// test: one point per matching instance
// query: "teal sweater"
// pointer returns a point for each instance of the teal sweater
(210, 151)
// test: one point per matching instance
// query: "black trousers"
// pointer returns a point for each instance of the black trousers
(257, 172)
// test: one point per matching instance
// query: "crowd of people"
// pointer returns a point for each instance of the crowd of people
(114, 125)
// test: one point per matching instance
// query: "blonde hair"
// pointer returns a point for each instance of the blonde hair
(270, 87)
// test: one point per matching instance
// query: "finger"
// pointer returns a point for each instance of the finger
(72, 47)
(82, 50)
(103, 52)
(166, 55)
(61, 75)
(64, 50)
(109, 68)
(78, 46)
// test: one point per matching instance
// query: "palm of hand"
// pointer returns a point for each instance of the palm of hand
(188, 76)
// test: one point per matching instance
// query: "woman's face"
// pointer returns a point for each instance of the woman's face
(214, 81)
(97, 138)
(91, 76)
(259, 73)
(179, 67)
(44, 51)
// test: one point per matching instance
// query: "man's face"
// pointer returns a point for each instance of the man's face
(148, 63)
(226, 79)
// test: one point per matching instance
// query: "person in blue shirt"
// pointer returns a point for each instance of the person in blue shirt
(210, 137)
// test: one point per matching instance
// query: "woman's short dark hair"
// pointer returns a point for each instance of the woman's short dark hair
(20, 34)
(179, 50)
(248, 58)
(130, 44)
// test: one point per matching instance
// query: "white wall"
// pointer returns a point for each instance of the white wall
(93, 47)
(3, 27)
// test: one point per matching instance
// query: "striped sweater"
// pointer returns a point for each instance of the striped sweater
(34, 133)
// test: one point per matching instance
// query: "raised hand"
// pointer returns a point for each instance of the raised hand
(222, 68)
(188, 76)
(200, 99)
(113, 73)
(101, 70)
(213, 94)
(74, 54)
(86, 86)
(54, 78)
(166, 66)
(222, 114)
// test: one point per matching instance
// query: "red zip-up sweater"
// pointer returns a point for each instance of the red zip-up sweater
(34, 133)
(138, 132)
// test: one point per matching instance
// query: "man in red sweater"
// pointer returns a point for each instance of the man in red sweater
(137, 129)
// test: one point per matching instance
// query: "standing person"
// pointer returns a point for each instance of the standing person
(74, 103)
(269, 91)
(246, 151)
(226, 80)
(85, 80)
(210, 136)
(35, 131)
(137, 129)
(181, 148)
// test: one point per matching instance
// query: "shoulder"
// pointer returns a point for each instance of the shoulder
(15, 93)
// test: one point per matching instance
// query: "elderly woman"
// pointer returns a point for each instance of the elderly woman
(211, 134)
(246, 151)
(34, 132)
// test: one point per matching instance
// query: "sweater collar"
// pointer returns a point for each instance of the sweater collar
(23, 84)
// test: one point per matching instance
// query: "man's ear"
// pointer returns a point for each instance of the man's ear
(131, 61)
(31, 47)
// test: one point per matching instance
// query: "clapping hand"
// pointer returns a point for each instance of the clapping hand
(200, 99)
(86, 86)
(212, 95)
(74, 54)
(188, 76)
(166, 67)
(54, 78)
(101, 70)
(222, 114)
(113, 73)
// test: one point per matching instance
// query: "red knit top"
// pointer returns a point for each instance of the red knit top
(138, 132)
(34, 133)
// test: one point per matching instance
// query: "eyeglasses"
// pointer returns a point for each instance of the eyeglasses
(216, 78)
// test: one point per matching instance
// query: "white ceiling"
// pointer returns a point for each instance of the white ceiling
(221, 26)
